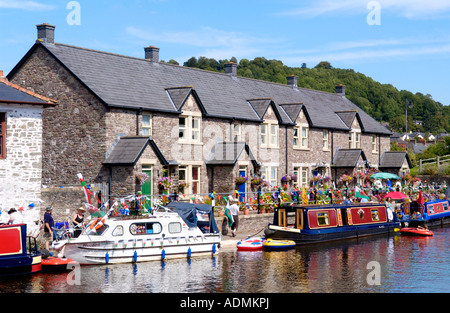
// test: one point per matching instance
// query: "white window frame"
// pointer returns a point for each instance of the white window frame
(193, 181)
(325, 140)
(192, 135)
(263, 134)
(303, 173)
(273, 135)
(354, 139)
(237, 131)
(374, 144)
(188, 170)
(296, 137)
(146, 129)
(303, 137)
(268, 138)
(270, 173)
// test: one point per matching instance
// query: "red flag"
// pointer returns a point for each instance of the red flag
(420, 199)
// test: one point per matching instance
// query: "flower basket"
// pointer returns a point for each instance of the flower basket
(142, 177)
(165, 183)
(240, 180)
(182, 185)
(257, 181)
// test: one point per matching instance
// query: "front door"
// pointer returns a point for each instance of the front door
(147, 190)
(241, 189)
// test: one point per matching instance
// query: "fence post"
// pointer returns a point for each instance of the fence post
(437, 162)
(420, 165)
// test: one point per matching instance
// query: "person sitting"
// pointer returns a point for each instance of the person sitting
(15, 217)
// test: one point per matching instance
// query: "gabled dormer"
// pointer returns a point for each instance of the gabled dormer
(187, 102)
(352, 120)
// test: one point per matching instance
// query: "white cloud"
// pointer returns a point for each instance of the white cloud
(373, 55)
(25, 5)
(216, 43)
(412, 9)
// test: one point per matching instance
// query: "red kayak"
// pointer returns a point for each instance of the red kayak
(412, 231)
(52, 264)
(250, 244)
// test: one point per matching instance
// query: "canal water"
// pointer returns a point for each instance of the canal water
(396, 264)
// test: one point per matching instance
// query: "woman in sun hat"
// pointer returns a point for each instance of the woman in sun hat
(77, 220)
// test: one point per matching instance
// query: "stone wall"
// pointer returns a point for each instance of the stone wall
(74, 131)
(20, 172)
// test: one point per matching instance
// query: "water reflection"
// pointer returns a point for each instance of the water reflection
(407, 264)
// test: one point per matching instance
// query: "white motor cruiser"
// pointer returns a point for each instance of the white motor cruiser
(181, 230)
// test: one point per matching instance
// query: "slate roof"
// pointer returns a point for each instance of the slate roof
(128, 150)
(138, 83)
(227, 153)
(394, 159)
(10, 92)
(347, 157)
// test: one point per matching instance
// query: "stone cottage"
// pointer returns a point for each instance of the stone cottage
(20, 144)
(203, 129)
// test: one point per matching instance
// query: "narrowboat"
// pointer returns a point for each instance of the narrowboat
(429, 214)
(178, 230)
(309, 224)
(15, 259)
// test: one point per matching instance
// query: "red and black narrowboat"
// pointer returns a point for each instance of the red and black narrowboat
(15, 259)
(308, 224)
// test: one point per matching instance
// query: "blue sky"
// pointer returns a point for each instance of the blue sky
(409, 48)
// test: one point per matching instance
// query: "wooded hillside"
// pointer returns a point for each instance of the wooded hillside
(383, 102)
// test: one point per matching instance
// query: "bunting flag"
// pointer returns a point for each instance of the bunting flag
(84, 186)
(304, 196)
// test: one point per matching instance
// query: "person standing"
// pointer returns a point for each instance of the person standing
(234, 209)
(48, 226)
(77, 220)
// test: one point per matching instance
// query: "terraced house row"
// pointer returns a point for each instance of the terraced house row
(117, 116)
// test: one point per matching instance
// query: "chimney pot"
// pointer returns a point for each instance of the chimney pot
(292, 81)
(46, 33)
(1, 74)
(340, 90)
(231, 69)
(152, 54)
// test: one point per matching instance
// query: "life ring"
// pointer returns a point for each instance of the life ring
(99, 223)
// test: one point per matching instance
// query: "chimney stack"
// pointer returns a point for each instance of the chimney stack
(152, 54)
(46, 33)
(292, 81)
(340, 90)
(1, 74)
(231, 69)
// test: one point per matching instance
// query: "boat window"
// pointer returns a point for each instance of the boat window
(202, 217)
(118, 231)
(175, 228)
(322, 219)
(374, 214)
(445, 205)
(145, 228)
(291, 219)
(431, 209)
